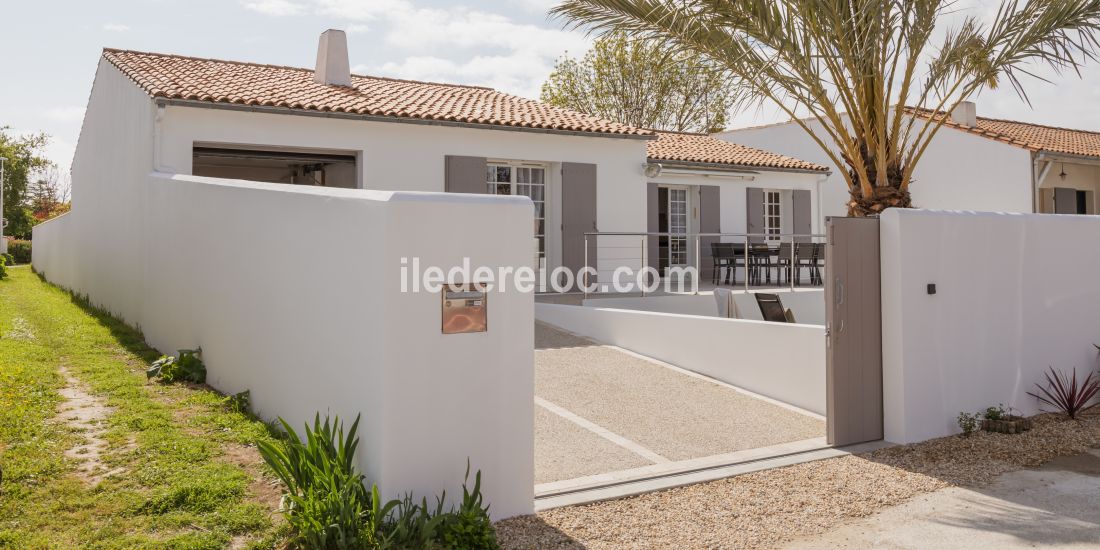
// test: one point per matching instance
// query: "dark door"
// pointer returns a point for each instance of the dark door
(853, 332)
(578, 214)
(1065, 200)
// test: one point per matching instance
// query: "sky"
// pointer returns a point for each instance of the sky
(49, 51)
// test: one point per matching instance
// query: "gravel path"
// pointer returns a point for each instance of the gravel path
(767, 509)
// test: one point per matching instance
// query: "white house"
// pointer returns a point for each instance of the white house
(973, 163)
(326, 127)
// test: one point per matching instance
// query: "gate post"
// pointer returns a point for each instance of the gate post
(853, 331)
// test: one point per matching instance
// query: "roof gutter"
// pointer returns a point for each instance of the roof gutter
(1067, 157)
(720, 167)
(380, 118)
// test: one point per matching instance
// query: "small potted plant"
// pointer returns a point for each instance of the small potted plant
(1003, 420)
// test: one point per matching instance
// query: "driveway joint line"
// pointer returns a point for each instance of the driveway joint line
(602, 432)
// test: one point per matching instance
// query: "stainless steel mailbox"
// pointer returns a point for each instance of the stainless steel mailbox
(464, 309)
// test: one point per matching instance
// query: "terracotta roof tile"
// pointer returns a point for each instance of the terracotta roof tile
(216, 81)
(704, 149)
(1035, 137)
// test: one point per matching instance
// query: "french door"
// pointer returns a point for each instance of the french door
(525, 180)
(773, 215)
(673, 226)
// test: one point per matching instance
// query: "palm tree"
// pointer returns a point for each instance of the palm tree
(870, 74)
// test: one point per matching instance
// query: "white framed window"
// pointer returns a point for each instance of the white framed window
(773, 214)
(524, 179)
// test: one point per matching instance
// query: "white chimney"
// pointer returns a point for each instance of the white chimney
(966, 114)
(332, 59)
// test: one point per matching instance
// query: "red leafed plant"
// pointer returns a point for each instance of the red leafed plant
(1064, 393)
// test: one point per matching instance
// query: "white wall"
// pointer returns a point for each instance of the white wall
(293, 293)
(808, 305)
(959, 170)
(55, 247)
(1016, 293)
(410, 157)
(785, 362)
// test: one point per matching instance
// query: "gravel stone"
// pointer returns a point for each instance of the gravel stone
(769, 508)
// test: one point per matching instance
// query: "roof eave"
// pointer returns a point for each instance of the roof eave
(393, 119)
(726, 167)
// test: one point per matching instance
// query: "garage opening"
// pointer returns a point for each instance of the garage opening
(298, 167)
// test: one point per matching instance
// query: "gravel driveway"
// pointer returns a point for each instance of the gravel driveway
(768, 509)
(600, 409)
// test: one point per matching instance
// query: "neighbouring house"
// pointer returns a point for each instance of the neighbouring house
(700, 184)
(973, 163)
(327, 127)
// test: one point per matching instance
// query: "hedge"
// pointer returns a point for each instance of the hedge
(20, 251)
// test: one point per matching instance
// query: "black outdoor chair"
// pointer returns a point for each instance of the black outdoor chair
(771, 307)
(722, 257)
(805, 258)
(819, 264)
(760, 263)
(729, 256)
(783, 262)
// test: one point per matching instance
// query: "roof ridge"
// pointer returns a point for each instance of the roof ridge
(304, 69)
(1047, 126)
(931, 112)
(675, 132)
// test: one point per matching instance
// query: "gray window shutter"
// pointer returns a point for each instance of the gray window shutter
(710, 221)
(802, 214)
(652, 224)
(578, 212)
(1065, 200)
(754, 214)
(465, 175)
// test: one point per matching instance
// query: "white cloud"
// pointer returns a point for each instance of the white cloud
(71, 113)
(365, 10)
(432, 28)
(357, 28)
(115, 27)
(450, 44)
(276, 8)
(519, 73)
(538, 6)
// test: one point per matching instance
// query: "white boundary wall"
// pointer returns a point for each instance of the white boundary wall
(1015, 293)
(785, 362)
(294, 294)
(808, 305)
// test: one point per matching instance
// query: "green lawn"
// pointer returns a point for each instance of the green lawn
(187, 474)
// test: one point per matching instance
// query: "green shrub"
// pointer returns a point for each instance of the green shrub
(328, 507)
(326, 503)
(1000, 412)
(187, 366)
(20, 251)
(968, 422)
(469, 526)
(3, 267)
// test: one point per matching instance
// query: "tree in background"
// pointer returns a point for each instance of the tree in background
(856, 66)
(25, 161)
(639, 83)
(47, 195)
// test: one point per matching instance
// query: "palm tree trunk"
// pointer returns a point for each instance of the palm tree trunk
(891, 195)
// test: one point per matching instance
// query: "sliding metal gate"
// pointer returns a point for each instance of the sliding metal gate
(853, 331)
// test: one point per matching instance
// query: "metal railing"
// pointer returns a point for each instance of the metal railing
(753, 255)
